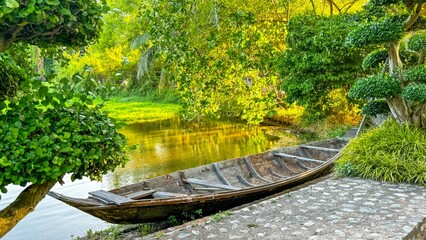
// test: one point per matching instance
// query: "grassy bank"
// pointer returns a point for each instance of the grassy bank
(131, 109)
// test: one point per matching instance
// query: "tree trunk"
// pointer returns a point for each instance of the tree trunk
(419, 116)
(3, 43)
(400, 109)
(421, 58)
(313, 8)
(23, 204)
(395, 63)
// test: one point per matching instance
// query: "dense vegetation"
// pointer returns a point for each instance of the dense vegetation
(220, 56)
(317, 65)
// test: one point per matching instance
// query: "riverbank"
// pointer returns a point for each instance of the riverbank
(336, 208)
(132, 110)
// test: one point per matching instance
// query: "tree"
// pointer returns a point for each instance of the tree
(317, 61)
(400, 86)
(48, 130)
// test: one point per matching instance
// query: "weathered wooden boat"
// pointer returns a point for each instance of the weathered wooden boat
(211, 188)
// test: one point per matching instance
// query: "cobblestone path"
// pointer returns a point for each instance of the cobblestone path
(337, 208)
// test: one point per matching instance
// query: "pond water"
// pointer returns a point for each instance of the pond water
(161, 147)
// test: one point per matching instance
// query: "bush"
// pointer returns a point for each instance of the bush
(375, 86)
(392, 153)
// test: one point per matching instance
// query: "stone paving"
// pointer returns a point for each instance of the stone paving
(337, 208)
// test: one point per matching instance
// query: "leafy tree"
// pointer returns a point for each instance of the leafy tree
(48, 130)
(400, 85)
(217, 53)
(317, 61)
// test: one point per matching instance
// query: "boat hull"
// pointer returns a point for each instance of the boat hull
(160, 209)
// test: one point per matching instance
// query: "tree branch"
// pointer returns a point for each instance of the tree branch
(413, 17)
(36, 34)
(313, 7)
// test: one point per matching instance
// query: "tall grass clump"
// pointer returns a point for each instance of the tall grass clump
(391, 153)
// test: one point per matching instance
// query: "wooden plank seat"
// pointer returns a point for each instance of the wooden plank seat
(298, 157)
(154, 194)
(321, 148)
(141, 194)
(209, 184)
(158, 194)
(109, 197)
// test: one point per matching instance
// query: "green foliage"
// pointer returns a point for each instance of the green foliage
(317, 61)
(221, 215)
(385, 30)
(419, 25)
(415, 74)
(374, 59)
(130, 110)
(417, 42)
(16, 65)
(392, 152)
(75, 22)
(220, 72)
(173, 221)
(375, 107)
(11, 76)
(415, 93)
(384, 2)
(375, 86)
(53, 130)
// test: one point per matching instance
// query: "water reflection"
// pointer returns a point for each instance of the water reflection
(171, 145)
(162, 147)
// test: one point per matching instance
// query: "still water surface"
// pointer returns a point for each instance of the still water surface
(161, 147)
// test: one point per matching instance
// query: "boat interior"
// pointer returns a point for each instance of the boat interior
(229, 175)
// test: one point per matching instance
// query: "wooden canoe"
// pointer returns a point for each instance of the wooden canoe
(213, 187)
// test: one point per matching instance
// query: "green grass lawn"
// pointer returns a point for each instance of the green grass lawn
(131, 110)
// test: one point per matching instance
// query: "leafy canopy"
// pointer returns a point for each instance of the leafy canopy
(63, 22)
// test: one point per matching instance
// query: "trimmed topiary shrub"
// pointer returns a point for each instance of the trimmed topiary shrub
(415, 74)
(392, 153)
(374, 59)
(415, 93)
(375, 87)
(376, 107)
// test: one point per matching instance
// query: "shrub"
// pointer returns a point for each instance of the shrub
(375, 87)
(392, 153)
